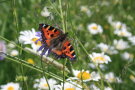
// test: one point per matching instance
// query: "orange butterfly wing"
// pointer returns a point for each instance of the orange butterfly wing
(57, 52)
(64, 48)
(68, 50)
(50, 33)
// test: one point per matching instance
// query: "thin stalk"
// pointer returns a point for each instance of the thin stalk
(54, 7)
(12, 43)
(3, 27)
(24, 63)
(17, 32)
(48, 60)
(102, 77)
(63, 25)
(64, 63)
(34, 67)
(28, 50)
(62, 16)
(44, 73)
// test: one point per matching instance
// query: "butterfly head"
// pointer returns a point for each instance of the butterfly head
(42, 26)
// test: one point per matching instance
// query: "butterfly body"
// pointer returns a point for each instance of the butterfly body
(56, 41)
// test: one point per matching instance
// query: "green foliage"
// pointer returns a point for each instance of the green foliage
(20, 15)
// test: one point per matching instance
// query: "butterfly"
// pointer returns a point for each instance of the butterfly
(55, 41)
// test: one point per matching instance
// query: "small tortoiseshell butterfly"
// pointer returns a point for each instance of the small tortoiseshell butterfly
(55, 41)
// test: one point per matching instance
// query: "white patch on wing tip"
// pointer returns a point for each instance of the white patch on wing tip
(44, 25)
(74, 56)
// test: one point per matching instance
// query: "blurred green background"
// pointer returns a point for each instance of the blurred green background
(19, 15)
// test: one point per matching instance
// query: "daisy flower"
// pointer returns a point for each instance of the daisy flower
(68, 86)
(31, 61)
(122, 33)
(107, 48)
(112, 50)
(132, 77)
(2, 50)
(80, 27)
(45, 12)
(42, 84)
(110, 77)
(14, 53)
(117, 25)
(100, 58)
(118, 80)
(86, 10)
(105, 3)
(95, 28)
(30, 37)
(110, 19)
(86, 75)
(108, 88)
(120, 44)
(127, 56)
(132, 39)
(103, 47)
(11, 45)
(101, 66)
(94, 87)
(92, 65)
(10, 86)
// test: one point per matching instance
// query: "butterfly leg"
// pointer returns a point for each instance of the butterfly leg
(49, 51)
(41, 48)
(45, 51)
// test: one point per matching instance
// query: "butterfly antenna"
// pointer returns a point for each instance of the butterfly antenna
(40, 26)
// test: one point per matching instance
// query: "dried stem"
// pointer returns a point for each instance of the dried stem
(49, 60)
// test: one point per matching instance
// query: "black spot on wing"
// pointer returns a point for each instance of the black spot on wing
(52, 35)
(64, 48)
(68, 44)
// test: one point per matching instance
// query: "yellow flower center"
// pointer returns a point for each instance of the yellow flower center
(84, 75)
(105, 49)
(112, 79)
(34, 39)
(84, 9)
(10, 88)
(46, 85)
(131, 56)
(106, 27)
(119, 26)
(132, 77)
(118, 46)
(38, 42)
(99, 58)
(94, 27)
(69, 89)
(31, 61)
(122, 33)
